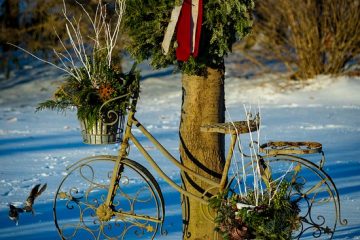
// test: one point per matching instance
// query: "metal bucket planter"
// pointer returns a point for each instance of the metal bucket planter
(102, 132)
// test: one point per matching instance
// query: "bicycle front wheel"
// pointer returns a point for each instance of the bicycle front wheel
(137, 210)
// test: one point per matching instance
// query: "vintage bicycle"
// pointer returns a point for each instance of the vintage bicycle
(115, 197)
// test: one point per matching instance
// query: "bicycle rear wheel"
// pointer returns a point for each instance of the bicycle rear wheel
(137, 210)
(317, 196)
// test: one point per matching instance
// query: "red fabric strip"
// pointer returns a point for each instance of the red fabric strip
(183, 32)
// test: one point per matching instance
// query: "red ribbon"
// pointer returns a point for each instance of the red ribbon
(184, 32)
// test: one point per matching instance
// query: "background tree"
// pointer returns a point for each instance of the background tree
(224, 21)
(33, 25)
(310, 37)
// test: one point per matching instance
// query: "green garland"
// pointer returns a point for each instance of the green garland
(224, 22)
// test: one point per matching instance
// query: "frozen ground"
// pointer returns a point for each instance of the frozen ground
(36, 147)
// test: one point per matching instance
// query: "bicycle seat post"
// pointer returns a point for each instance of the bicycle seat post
(234, 129)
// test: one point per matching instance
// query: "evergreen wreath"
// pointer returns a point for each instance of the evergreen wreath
(224, 22)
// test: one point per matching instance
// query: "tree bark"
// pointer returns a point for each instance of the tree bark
(203, 102)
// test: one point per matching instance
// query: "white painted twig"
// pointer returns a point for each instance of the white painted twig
(258, 189)
(79, 56)
(42, 60)
(281, 180)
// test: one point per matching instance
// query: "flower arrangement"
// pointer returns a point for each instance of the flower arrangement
(93, 75)
(238, 217)
(263, 203)
(94, 83)
(96, 95)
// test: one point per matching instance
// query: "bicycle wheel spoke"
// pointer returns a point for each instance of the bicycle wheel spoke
(123, 215)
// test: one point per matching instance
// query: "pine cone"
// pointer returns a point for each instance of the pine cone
(239, 233)
(105, 92)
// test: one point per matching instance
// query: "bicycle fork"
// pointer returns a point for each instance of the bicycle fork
(106, 211)
(119, 167)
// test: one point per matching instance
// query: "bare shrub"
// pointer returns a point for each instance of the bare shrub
(310, 36)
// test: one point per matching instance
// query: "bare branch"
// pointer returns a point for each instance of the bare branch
(104, 41)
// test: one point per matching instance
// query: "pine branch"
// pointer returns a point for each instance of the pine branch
(58, 105)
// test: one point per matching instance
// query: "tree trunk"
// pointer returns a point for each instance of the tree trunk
(12, 13)
(203, 102)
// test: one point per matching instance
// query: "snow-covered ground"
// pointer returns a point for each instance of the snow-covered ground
(37, 147)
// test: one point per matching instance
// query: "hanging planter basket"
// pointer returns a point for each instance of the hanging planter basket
(103, 131)
(101, 100)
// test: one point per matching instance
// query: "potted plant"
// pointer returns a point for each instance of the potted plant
(94, 83)
(101, 101)
(271, 214)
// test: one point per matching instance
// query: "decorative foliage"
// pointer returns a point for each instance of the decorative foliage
(224, 22)
(274, 217)
(94, 79)
(89, 99)
(260, 205)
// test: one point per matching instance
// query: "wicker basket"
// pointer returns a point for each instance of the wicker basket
(102, 132)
